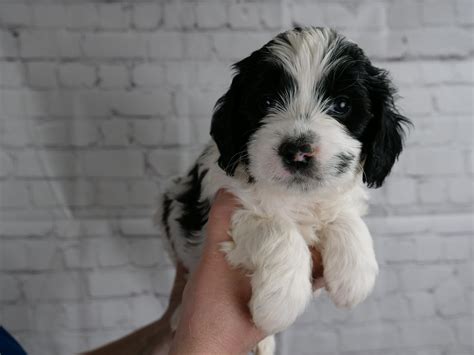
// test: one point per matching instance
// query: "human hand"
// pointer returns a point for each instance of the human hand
(214, 314)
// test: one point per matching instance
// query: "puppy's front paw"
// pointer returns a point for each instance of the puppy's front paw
(349, 285)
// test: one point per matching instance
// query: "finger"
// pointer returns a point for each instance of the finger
(223, 207)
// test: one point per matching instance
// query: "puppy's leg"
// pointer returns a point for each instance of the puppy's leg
(279, 262)
(266, 346)
(350, 267)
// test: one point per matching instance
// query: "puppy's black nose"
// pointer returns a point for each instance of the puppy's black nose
(296, 154)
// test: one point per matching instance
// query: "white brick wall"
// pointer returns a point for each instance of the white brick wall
(102, 101)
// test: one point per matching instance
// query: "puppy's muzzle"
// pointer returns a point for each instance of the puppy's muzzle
(297, 154)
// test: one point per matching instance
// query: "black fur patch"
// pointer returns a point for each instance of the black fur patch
(239, 113)
(166, 213)
(344, 162)
(195, 212)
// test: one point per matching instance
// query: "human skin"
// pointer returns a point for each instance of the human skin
(214, 317)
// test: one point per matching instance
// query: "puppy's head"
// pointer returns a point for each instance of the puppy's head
(308, 109)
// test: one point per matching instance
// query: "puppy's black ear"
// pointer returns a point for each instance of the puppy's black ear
(231, 126)
(383, 138)
(223, 124)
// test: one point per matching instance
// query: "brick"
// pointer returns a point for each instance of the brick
(457, 248)
(6, 164)
(41, 163)
(177, 132)
(393, 308)
(62, 194)
(243, 44)
(14, 256)
(433, 161)
(9, 47)
(169, 162)
(74, 75)
(454, 100)
(105, 283)
(424, 277)
(147, 16)
(80, 316)
(397, 249)
(53, 286)
(71, 133)
(10, 290)
(415, 102)
(14, 194)
(380, 45)
(93, 104)
(82, 255)
(179, 74)
(438, 42)
(82, 16)
(214, 75)
(42, 75)
(179, 15)
(13, 105)
(272, 16)
(26, 228)
(375, 337)
(436, 12)
(341, 16)
(50, 15)
(460, 190)
(156, 103)
(138, 227)
(148, 75)
(197, 46)
(113, 16)
(12, 14)
(143, 193)
(450, 299)
(114, 163)
(16, 317)
(244, 16)
(114, 45)
(429, 248)
(145, 309)
(165, 45)
(112, 252)
(148, 252)
(464, 12)
(82, 228)
(211, 14)
(201, 103)
(113, 76)
(307, 14)
(115, 132)
(115, 313)
(464, 328)
(433, 191)
(422, 304)
(404, 14)
(48, 44)
(401, 191)
(298, 340)
(426, 333)
(12, 75)
(112, 194)
(163, 280)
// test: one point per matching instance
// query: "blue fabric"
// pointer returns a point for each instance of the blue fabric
(8, 344)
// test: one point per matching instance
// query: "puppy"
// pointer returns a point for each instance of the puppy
(306, 122)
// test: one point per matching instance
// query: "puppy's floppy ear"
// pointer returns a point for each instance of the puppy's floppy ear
(231, 125)
(383, 137)
(222, 127)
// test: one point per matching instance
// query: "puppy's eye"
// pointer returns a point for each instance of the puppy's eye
(340, 107)
(266, 102)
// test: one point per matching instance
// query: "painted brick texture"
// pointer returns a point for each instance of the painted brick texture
(101, 102)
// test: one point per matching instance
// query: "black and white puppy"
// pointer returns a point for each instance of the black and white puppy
(305, 123)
